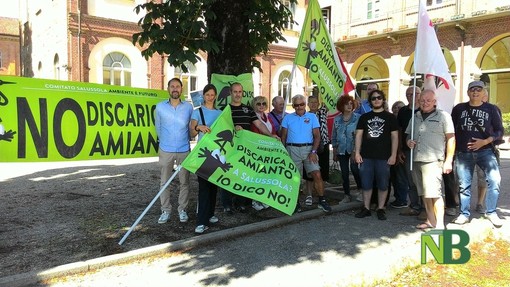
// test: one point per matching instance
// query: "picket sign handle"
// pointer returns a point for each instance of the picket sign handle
(177, 169)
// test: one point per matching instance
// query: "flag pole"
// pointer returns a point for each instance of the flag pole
(177, 169)
(416, 55)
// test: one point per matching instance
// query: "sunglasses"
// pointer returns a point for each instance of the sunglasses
(261, 104)
(298, 105)
(475, 89)
(376, 98)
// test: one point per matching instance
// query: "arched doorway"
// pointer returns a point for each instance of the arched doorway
(494, 62)
(370, 68)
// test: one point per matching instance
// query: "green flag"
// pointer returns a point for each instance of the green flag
(317, 53)
(247, 164)
(223, 82)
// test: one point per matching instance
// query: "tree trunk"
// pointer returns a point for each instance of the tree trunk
(231, 29)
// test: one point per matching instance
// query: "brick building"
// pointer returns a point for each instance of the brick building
(84, 40)
(9, 46)
(377, 41)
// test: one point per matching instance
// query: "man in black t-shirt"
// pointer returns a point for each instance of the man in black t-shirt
(243, 117)
(375, 150)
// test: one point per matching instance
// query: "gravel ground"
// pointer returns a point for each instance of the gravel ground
(59, 213)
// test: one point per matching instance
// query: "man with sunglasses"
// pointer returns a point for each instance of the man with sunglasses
(375, 147)
(301, 137)
(477, 126)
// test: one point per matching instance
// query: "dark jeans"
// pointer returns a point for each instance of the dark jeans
(206, 201)
(324, 163)
(345, 164)
(400, 183)
(415, 200)
(230, 200)
(451, 195)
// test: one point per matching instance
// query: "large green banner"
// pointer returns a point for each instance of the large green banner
(48, 120)
(223, 82)
(247, 164)
(316, 52)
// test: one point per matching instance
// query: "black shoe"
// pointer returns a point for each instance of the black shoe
(381, 214)
(363, 213)
(324, 206)
(396, 204)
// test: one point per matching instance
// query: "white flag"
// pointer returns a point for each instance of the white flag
(429, 60)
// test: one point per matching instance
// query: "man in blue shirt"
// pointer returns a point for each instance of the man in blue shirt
(364, 105)
(172, 119)
(301, 136)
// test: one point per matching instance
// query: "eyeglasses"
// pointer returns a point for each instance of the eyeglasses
(376, 98)
(298, 105)
(261, 104)
(475, 89)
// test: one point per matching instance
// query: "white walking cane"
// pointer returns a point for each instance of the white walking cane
(177, 169)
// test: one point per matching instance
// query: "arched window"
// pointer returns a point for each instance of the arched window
(116, 69)
(283, 85)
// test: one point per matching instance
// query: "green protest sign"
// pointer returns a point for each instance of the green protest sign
(247, 164)
(317, 53)
(48, 120)
(222, 84)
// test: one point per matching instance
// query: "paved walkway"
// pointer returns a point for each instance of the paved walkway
(307, 249)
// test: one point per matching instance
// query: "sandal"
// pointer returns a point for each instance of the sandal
(424, 225)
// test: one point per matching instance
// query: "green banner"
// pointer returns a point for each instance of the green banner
(247, 164)
(316, 52)
(222, 84)
(48, 120)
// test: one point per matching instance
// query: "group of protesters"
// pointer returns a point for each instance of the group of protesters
(424, 160)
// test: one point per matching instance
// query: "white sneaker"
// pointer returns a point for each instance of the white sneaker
(346, 199)
(213, 219)
(461, 219)
(360, 197)
(309, 200)
(494, 218)
(200, 229)
(257, 205)
(164, 217)
(183, 216)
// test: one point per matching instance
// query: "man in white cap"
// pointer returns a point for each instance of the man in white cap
(477, 126)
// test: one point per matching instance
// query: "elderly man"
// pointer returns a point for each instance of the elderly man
(433, 137)
(276, 115)
(301, 136)
(477, 126)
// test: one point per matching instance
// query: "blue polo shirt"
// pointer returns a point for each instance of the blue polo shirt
(300, 128)
(172, 126)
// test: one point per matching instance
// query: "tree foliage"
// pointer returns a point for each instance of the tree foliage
(232, 32)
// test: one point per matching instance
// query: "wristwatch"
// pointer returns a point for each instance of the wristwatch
(314, 151)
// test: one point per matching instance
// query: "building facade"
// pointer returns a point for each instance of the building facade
(377, 39)
(82, 40)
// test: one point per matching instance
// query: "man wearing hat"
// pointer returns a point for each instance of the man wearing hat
(477, 125)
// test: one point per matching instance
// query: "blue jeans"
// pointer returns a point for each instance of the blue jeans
(464, 165)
